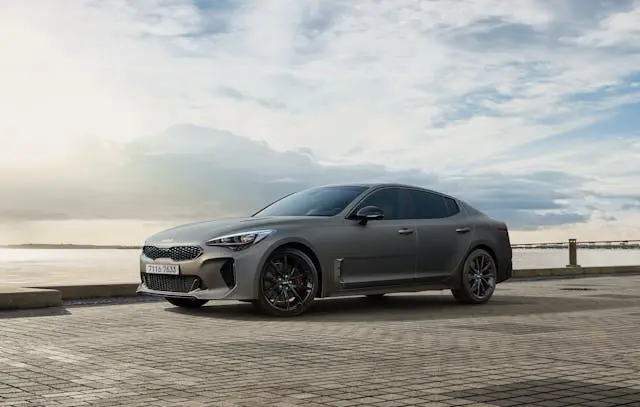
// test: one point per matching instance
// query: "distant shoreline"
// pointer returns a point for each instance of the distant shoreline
(68, 246)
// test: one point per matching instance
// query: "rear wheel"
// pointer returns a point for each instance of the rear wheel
(190, 303)
(288, 283)
(479, 275)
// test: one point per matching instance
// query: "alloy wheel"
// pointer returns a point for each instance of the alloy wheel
(480, 276)
(288, 282)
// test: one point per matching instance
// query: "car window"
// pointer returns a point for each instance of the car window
(427, 205)
(387, 199)
(452, 206)
(321, 201)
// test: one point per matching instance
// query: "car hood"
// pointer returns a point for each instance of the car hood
(200, 232)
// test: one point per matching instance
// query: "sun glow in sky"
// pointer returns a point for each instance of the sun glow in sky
(528, 108)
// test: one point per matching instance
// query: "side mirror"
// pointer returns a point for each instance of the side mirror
(369, 213)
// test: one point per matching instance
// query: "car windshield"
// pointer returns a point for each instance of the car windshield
(322, 201)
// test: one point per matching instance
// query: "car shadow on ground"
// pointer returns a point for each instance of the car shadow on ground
(414, 307)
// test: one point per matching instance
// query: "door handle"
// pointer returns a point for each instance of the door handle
(405, 231)
(463, 230)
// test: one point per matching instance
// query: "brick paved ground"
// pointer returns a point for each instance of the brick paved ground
(535, 344)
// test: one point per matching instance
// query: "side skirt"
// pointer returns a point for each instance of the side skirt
(394, 286)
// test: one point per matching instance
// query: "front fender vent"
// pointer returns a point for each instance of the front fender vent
(228, 273)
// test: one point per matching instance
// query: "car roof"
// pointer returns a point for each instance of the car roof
(381, 184)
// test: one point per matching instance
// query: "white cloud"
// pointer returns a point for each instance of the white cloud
(618, 29)
(442, 86)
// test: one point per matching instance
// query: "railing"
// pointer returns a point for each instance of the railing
(573, 245)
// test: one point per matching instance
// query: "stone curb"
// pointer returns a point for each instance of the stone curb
(81, 292)
(53, 296)
(574, 272)
(12, 298)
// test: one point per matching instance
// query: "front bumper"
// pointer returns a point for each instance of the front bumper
(213, 275)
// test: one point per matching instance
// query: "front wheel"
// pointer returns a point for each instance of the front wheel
(190, 303)
(288, 283)
(479, 276)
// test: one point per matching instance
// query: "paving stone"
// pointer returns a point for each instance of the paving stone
(531, 345)
(512, 329)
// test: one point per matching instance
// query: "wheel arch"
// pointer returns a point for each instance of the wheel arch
(455, 281)
(306, 248)
(486, 248)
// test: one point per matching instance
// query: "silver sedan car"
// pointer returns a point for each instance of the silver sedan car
(329, 241)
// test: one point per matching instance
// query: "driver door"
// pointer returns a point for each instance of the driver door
(381, 252)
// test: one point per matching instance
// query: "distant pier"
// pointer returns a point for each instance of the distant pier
(600, 244)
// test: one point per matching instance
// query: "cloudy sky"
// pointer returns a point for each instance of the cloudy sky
(118, 118)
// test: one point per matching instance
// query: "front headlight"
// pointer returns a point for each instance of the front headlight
(240, 241)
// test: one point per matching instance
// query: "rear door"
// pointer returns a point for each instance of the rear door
(443, 234)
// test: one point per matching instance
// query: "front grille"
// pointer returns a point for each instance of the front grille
(176, 253)
(176, 284)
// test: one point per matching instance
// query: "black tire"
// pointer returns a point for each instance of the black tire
(292, 277)
(190, 303)
(375, 297)
(478, 278)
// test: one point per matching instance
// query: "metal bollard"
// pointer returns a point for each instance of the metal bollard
(573, 253)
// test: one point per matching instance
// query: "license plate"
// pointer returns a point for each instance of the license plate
(171, 269)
